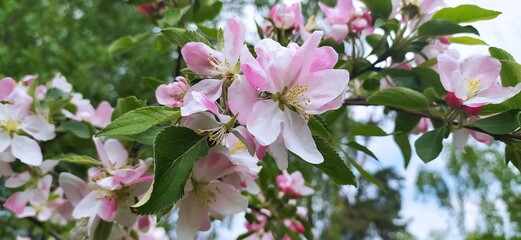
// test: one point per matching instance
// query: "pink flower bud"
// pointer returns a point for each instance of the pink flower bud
(453, 101)
(472, 111)
(172, 94)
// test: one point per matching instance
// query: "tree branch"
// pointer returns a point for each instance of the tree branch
(363, 102)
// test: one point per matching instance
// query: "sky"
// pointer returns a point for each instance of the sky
(426, 217)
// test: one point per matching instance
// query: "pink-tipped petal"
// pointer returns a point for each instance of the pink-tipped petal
(102, 152)
(241, 98)
(103, 115)
(6, 87)
(324, 58)
(27, 150)
(234, 34)
(338, 32)
(446, 66)
(252, 69)
(17, 202)
(323, 88)
(107, 209)
(199, 57)
(301, 61)
(18, 180)
(493, 95)
(213, 166)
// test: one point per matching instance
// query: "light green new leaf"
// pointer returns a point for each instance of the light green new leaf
(125, 105)
(467, 40)
(139, 120)
(400, 97)
(181, 36)
(175, 151)
(173, 15)
(465, 14)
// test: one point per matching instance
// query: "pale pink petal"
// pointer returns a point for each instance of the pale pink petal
(493, 95)
(459, 138)
(253, 71)
(213, 166)
(303, 58)
(483, 68)
(21, 100)
(27, 150)
(102, 115)
(192, 215)
(74, 187)
(18, 180)
(234, 34)
(298, 139)
(61, 83)
(125, 217)
(109, 183)
(27, 212)
(7, 156)
(241, 98)
(199, 57)
(192, 103)
(324, 58)
(482, 137)
(17, 202)
(338, 32)
(280, 70)
(65, 210)
(48, 165)
(228, 200)
(87, 207)
(116, 153)
(279, 152)
(38, 127)
(323, 88)
(44, 189)
(446, 66)
(266, 49)
(5, 140)
(102, 152)
(265, 115)
(5, 169)
(129, 175)
(6, 87)
(200, 120)
(107, 209)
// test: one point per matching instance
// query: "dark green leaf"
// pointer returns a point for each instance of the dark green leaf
(126, 104)
(80, 129)
(127, 43)
(402, 140)
(180, 36)
(503, 123)
(139, 120)
(513, 154)
(317, 128)
(172, 16)
(153, 83)
(206, 10)
(366, 175)
(465, 14)
(175, 151)
(399, 97)
(333, 166)
(440, 27)
(361, 148)
(367, 131)
(430, 144)
(379, 8)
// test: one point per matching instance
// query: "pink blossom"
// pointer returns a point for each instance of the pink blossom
(99, 117)
(206, 195)
(37, 188)
(223, 63)
(434, 49)
(293, 185)
(7, 86)
(287, 17)
(172, 94)
(282, 87)
(15, 122)
(473, 83)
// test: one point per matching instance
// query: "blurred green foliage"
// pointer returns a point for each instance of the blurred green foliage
(71, 37)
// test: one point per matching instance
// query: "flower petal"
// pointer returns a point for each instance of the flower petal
(107, 209)
(38, 127)
(215, 165)
(27, 150)
(241, 99)
(87, 207)
(303, 58)
(198, 57)
(323, 87)
(18, 180)
(253, 71)
(265, 115)
(446, 66)
(279, 152)
(234, 34)
(116, 153)
(228, 200)
(17, 202)
(324, 58)
(74, 187)
(192, 215)
(483, 68)
(6, 87)
(5, 169)
(459, 138)
(5, 140)
(298, 139)
(102, 152)
(493, 95)
(103, 115)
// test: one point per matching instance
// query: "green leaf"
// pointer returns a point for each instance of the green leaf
(513, 154)
(206, 10)
(153, 83)
(126, 104)
(402, 140)
(139, 120)
(181, 36)
(103, 230)
(333, 166)
(175, 151)
(405, 122)
(503, 123)
(430, 144)
(366, 175)
(440, 27)
(465, 14)
(210, 32)
(127, 43)
(428, 78)
(379, 8)
(80, 129)
(77, 159)
(318, 129)
(367, 131)
(467, 40)
(357, 146)
(399, 97)
(172, 16)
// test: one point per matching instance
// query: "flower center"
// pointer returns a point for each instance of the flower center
(238, 146)
(472, 87)
(202, 192)
(294, 98)
(222, 67)
(10, 125)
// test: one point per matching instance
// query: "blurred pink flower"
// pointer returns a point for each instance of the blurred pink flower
(172, 94)
(287, 17)
(293, 185)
